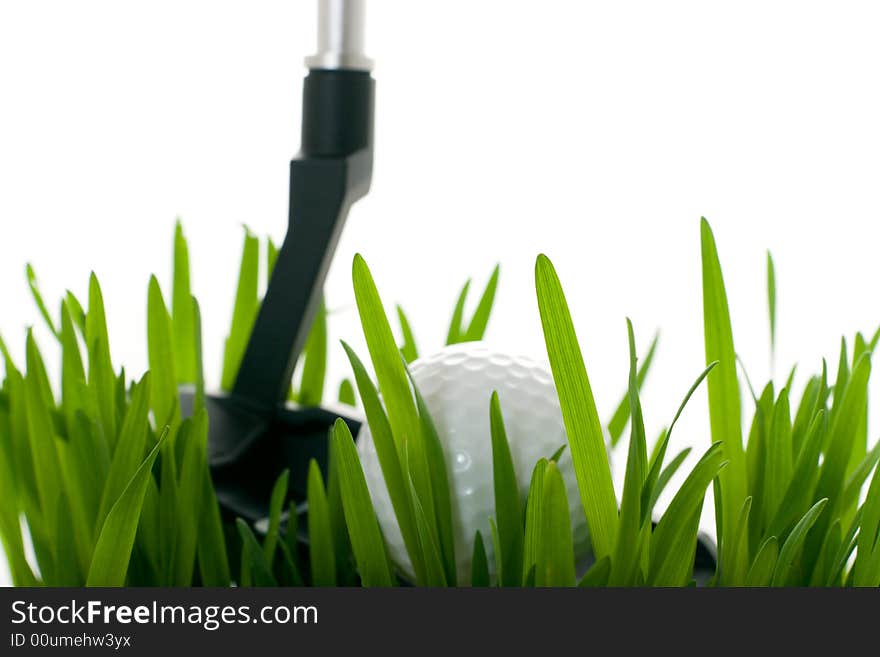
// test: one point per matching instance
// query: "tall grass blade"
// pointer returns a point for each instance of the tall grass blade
(455, 334)
(360, 516)
(675, 538)
(794, 543)
(314, 371)
(390, 370)
(534, 518)
(389, 462)
(480, 320)
(555, 563)
(724, 395)
(761, 571)
(508, 509)
(585, 437)
(628, 546)
(346, 393)
(276, 505)
(771, 303)
(182, 319)
(38, 299)
(101, 379)
(253, 560)
(408, 349)
(321, 551)
(113, 549)
(621, 414)
(163, 393)
(479, 563)
(650, 493)
(244, 312)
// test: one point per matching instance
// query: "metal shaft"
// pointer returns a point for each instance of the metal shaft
(340, 37)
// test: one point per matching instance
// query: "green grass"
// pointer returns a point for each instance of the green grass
(113, 486)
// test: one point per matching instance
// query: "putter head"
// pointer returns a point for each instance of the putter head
(248, 450)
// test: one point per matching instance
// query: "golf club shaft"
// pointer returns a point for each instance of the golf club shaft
(340, 37)
(331, 172)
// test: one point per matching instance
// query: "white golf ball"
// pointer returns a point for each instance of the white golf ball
(457, 385)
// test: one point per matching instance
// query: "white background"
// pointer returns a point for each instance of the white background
(597, 132)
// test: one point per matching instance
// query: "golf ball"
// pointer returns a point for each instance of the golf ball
(457, 385)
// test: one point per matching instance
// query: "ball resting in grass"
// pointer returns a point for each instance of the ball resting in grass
(457, 384)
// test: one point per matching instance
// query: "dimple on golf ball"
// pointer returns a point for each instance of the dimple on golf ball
(457, 385)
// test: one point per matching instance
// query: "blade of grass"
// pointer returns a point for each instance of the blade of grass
(621, 414)
(724, 395)
(598, 574)
(806, 411)
(756, 461)
(346, 393)
(802, 482)
(764, 564)
(190, 492)
(314, 371)
(183, 322)
(101, 379)
(73, 376)
(857, 479)
(290, 572)
(41, 433)
(498, 554)
(663, 480)
(456, 332)
(341, 544)
(291, 544)
(323, 556)
(244, 311)
(585, 437)
(735, 573)
(213, 558)
(794, 543)
(434, 567)
(271, 259)
(479, 563)
(253, 558)
(508, 509)
(555, 562)
(392, 469)
(675, 537)
(132, 440)
(360, 516)
(113, 549)
(771, 304)
(163, 393)
(10, 513)
(276, 504)
(409, 349)
(534, 518)
(389, 367)
(199, 399)
(844, 425)
(169, 539)
(480, 320)
(778, 457)
(38, 299)
(650, 492)
(865, 570)
(76, 311)
(627, 551)
(439, 485)
(67, 567)
(83, 488)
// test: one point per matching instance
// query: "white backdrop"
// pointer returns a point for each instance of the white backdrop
(598, 133)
